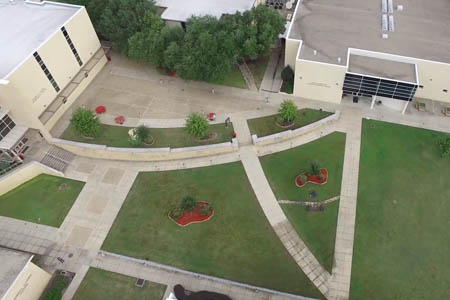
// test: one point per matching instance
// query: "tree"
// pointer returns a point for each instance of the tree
(287, 73)
(444, 146)
(270, 25)
(187, 203)
(197, 125)
(86, 122)
(121, 19)
(288, 111)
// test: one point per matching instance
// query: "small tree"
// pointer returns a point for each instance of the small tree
(86, 122)
(197, 125)
(287, 74)
(187, 203)
(288, 111)
(444, 146)
(141, 135)
(314, 168)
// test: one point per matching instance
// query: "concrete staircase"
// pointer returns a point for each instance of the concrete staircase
(248, 76)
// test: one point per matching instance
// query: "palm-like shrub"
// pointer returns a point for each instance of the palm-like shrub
(86, 122)
(444, 146)
(314, 169)
(187, 203)
(141, 135)
(197, 125)
(288, 111)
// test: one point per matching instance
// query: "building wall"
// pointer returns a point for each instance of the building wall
(434, 77)
(290, 53)
(29, 92)
(29, 285)
(319, 81)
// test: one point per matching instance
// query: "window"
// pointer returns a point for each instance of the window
(72, 46)
(46, 71)
(6, 125)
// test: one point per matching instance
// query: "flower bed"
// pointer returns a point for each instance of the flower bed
(195, 216)
(313, 179)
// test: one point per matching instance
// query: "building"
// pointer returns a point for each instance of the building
(49, 54)
(176, 12)
(393, 52)
(20, 279)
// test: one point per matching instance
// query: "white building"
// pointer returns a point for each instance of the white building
(385, 49)
(49, 54)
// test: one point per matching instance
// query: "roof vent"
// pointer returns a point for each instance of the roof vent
(339, 60)
(385, 36)
(399, 7)
(384, 6)
(315, 52)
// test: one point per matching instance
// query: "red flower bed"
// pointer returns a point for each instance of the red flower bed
(312, 179)
(189, 217)
(100, 109)
(119, 119)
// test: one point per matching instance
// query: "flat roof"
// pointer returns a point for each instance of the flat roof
(330, 27)
(25, 25)
(12, 263)
(377, 67)
(181, 10)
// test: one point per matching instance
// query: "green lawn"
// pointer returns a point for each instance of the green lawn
(117, 136)
(402, 240)
(234, 79)
(317, 229)
(41, 197)
(258, 68)
(282, 168)
(237, 243)
(267, 125)
(103, 285)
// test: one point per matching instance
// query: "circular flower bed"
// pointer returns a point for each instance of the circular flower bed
(302, 179)
(202, 212)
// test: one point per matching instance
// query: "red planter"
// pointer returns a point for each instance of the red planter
(189, 217)
(312, 179)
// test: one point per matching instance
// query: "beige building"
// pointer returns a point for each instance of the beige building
(49, 54)
(20, 279)
(382, 52)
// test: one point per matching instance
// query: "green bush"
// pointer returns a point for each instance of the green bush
(287, 74)
(444, 146)
(197, 125)
(187, 203)
(288, 111)
(58, 285)
(141, 135)
(314, 168)
(86, 122)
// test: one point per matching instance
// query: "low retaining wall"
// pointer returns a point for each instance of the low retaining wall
(24, 173)
(144, 154)
(289, 134)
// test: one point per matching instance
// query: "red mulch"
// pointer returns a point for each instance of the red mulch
(313, 179)
(100, 109)
(189, 217)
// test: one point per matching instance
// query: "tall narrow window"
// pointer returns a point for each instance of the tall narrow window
(72, 47)
(46, 71)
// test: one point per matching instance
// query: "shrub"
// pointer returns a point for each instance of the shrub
(141, 135)
(187, 203)
(444, 146)
(287, 74)
(86, 122)
(314, 168)
(303, 178)
(288, 111)
(197, 125)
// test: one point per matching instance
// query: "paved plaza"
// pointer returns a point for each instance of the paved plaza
(143, 95)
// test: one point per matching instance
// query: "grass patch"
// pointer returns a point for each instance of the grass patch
(103, 285)
(267, 125)
(233, 79)
(237, 243)
(41, 197)
(402, 239)
(258, 68)
(55, 291)
(317, 229)
(117, 136)
(282, 168)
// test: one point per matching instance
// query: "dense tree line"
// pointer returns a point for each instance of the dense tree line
(207, 49)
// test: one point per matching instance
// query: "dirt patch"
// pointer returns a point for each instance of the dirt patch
(285, 124)
(62, 186)
(209, 137)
